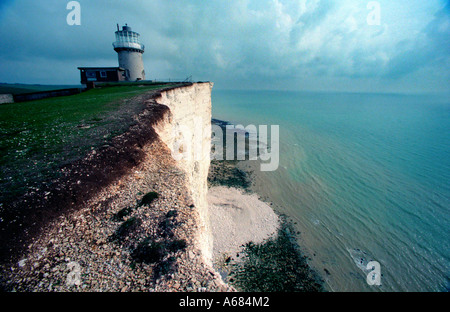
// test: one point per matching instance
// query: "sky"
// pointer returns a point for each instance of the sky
(307, 45)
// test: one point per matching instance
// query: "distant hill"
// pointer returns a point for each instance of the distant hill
(18, 88)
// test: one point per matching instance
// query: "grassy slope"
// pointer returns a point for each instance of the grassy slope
(17, 88)
(36, 137)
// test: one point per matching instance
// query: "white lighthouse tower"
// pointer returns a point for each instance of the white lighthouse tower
(130, 50)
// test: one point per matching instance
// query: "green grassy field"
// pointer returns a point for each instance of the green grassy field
(18, 88)
(37, 137)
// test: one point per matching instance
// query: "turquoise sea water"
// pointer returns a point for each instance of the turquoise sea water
(364, 177)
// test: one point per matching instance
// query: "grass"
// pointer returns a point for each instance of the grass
(148, 199)
(151, 252)
(167, 225)
(17, 88)
(126, 228)
(37, 137)
(161, 252)
(119, 216)
(138, 83)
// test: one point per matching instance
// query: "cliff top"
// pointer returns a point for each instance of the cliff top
(121, 218)
(45, 143)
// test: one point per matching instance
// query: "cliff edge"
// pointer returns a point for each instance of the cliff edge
(130, 216)
(186, 130)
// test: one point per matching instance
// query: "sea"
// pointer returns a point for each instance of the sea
(364, 178)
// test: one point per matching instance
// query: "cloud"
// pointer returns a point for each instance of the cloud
(246, 43)
(431, 47)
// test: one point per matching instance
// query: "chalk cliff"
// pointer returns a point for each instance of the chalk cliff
(101, 224)
(186, 129)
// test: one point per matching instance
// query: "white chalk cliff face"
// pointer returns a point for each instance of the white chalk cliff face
(187, 132)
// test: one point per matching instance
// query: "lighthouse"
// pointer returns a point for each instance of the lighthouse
(130, 50)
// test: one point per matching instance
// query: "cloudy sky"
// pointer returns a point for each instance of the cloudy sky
(345, 45)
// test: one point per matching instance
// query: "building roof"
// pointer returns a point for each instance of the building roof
(102, 68)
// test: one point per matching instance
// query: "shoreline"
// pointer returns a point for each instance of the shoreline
(280, 244)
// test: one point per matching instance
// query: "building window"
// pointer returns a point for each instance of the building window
(103, 74)
(90, 74)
